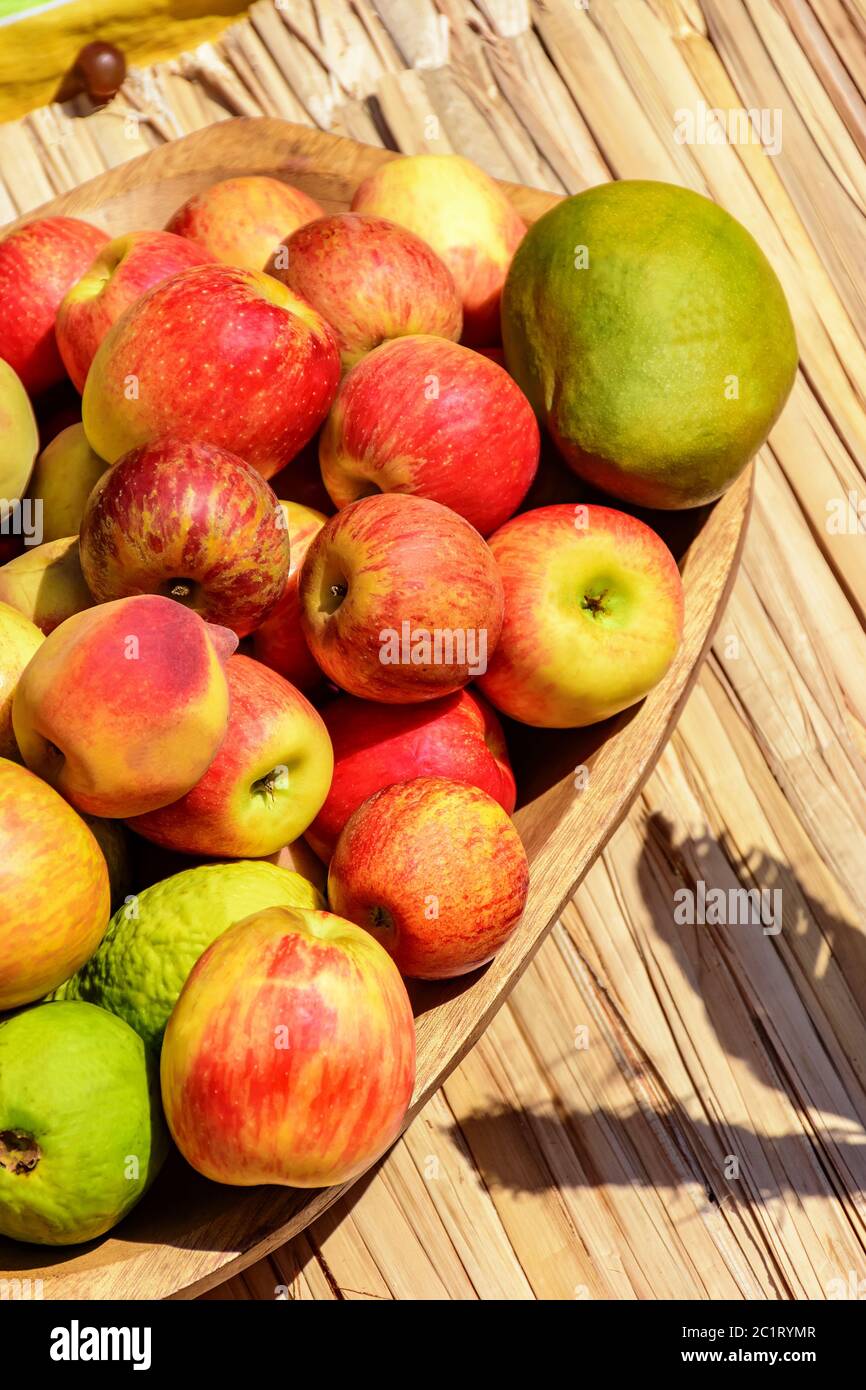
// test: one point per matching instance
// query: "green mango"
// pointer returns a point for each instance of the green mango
(653, 338)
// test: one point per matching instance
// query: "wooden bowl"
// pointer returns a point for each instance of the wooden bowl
(189, 1234)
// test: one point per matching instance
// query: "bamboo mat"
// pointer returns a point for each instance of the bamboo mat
(660, 1110)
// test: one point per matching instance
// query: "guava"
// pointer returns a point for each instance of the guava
(651, 335)
(155, 939)
(81, 1127)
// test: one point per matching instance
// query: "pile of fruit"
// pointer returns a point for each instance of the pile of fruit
(268, 588)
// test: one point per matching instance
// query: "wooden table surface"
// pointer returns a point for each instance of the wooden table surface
(661, 1110)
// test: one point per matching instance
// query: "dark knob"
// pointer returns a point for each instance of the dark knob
(102, 68)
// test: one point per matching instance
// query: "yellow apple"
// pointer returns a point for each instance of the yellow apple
(46, 583)
(66, 473)
(19, 639)
(19, 439)
(53, 889)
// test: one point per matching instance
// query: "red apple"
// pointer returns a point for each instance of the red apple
(458, 737)
(121, 273)
(431, 418)
(371, 279)
(593, 615)
(279, 641)
(217, 356)
(435, 871)
(242, 221)
(38, 264)
(401, 600)
(192, 522)
(466, 218)
(265, 784)
(290, 1055)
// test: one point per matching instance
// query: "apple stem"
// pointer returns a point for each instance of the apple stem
(267, 784)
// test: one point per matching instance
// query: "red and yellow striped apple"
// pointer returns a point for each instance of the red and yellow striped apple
(120, 274)
(53, 887)
(266, 783)
(192, 522)
(424, 416)
(466, 218)
(279, 641)
(371, 279)
(435, 871)
(45, 583)
(242, 221)
(458, 737)
(215, 355)
(66, 473)
(401, 600)
(593, 615)
(124, 706)
(290, 1055)
(39, 262)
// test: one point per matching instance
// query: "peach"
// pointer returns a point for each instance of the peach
(124, 706)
